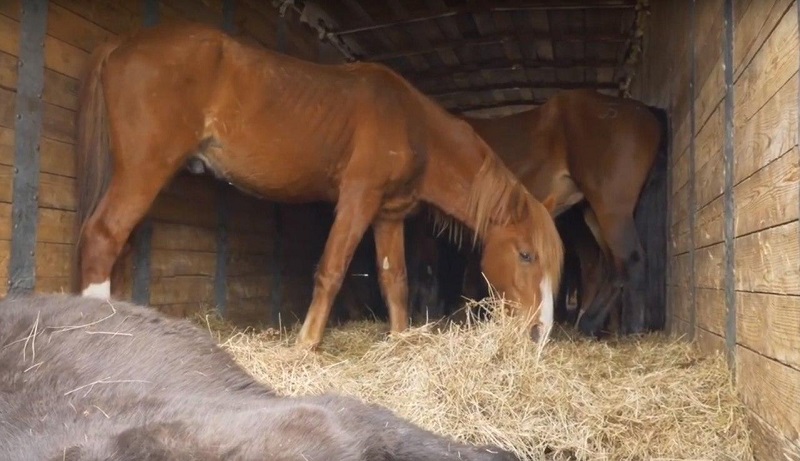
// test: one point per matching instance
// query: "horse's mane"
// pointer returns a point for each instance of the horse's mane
(495, 197)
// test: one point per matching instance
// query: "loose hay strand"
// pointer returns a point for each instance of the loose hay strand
(651, 397)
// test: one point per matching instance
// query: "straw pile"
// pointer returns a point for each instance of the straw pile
(486, 382)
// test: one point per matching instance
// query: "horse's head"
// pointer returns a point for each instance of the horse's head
(522, 261)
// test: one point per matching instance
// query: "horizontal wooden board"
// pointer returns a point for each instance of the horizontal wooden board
(56, 226)
(46, 284)
(181, 290)
(5, 253)
(679, 238)
(75, 30)
(6, 183)
(57, 192)
(754, 20)
(770, 133)
(680, 328)
(709, 171)
(709, 30)
(683, 134)
(680, 204)
(711, 310)
(770, 69)
(251, 242)
(174, 210)
(709, 227)
(246, 287)
(681, 302)
(166, 263)
(767, 261)
(182, 310)
(170, 236)
(711, 94)
(708, 343)
(7, 107)
(208, 12)
(768, 325)
(58, 123)
(680, 170)
(8, 71)
(710, 267)
(5, 221)
(247, 264)
(117, 17)
(681, 270)
(60, 90)
(9, 34)
(57, 158)
(64, 58)
(767, 443)
(766, 387)
(253, 312)
(54, 259)
(769, 197)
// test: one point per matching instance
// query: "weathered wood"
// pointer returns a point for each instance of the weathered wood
(58, 123)
(174, 263)
(754, 21)
(181, 290)
(768, 324)
(115, 17)
(769, 197)
(57, 192)
(53, 259)
(8, 71)
(768, 134)
(767, 388)
(184, 237)
(710, 267)
(710, 223)
(9, 35)
(73, 29)
(248, 287)
(707, 342)
(769, 444)
(769, 70)
(60, 90)
(56, 226)
(57, 157)
(711, 311)
(709, 165)
(767, 261)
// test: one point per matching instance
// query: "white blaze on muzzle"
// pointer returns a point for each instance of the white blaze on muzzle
(546, 309)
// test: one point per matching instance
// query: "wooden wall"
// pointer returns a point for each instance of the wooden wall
(199, 231)
(734, 276)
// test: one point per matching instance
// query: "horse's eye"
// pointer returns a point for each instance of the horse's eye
(525, 256)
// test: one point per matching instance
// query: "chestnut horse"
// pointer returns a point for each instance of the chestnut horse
(85, 379)
(283, 129)
(583, 146)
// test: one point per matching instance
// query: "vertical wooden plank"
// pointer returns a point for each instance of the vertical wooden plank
(692, 171)
(28, 129)
(142, 239)
(729, 159)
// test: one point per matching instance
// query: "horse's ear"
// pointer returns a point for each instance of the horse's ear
(550, 203)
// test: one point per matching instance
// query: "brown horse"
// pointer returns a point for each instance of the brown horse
(84, 379)
(585, 146)
(283, 129)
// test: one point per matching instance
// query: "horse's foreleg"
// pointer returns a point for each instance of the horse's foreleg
(354, 213)
(390, 252)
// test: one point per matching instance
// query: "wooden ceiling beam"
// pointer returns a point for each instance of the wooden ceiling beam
(488, 8)
(506, 65)
(441, 93)
(493, 39)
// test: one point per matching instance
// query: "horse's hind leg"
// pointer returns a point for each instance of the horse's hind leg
(390, 252)
(619, 231)
(354, 213)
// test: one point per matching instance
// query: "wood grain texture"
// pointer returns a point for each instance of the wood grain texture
(711, 310)
(770, 325)
(754, 20)
(769, 70)
(769, 197)
(710, 267)
(709, 343)
(769, 444)
(709, 161)
(767, 261)
(770, 390)
(56, 226)
(709, 224)
(768, 134)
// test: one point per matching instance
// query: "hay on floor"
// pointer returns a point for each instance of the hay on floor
(651, 398)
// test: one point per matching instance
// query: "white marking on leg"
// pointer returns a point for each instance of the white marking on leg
(98, 290)
(546, 309)
(386, 263)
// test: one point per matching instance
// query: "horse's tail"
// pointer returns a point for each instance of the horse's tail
(650, 218)
(92, 158)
